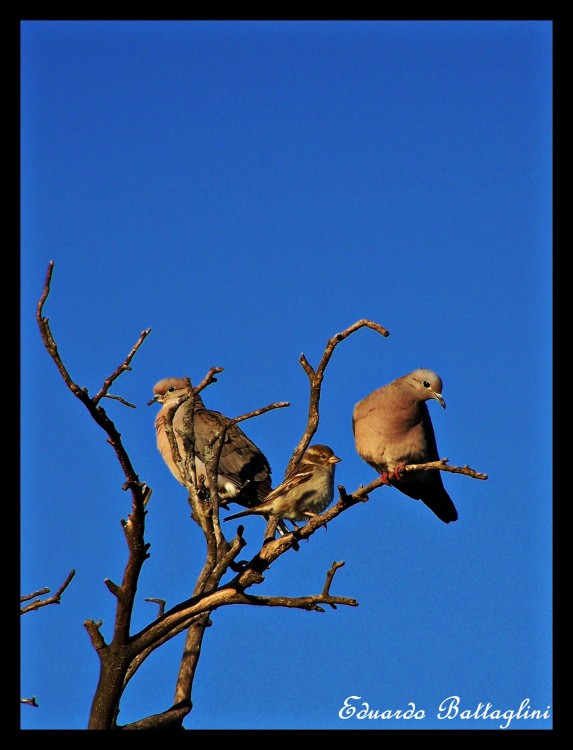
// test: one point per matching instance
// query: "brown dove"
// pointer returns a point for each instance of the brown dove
(306, 491)
(244, 472)
(392, 427)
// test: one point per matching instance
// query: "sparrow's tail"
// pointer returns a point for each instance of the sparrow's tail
(248, 512)
(282, 528)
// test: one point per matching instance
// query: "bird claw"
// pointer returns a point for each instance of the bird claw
(396, 475)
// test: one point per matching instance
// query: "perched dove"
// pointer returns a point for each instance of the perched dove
(244, 472)
(392, 427)
(305, 492)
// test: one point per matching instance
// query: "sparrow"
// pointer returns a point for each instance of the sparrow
(392, 427)
(306, 491)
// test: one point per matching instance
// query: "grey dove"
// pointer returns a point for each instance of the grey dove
(306, 491)
(244, 473)
(392, 427)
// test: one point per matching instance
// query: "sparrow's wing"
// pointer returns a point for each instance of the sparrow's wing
(297, 477)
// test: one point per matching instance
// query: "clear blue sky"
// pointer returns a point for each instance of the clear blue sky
(247, 190)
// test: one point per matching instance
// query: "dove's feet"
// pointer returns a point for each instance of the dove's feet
(396, 475)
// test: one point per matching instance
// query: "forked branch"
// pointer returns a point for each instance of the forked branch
(55, 599)
(315, 378)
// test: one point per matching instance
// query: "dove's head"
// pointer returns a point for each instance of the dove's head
(427, 385)
(168, 389)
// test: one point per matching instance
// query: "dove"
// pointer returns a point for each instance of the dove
(244, 475)
(392, 427)
(306, 491)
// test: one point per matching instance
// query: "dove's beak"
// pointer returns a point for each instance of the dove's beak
(154, 399)
(439, 398)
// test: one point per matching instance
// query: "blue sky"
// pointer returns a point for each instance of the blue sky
(247, 190)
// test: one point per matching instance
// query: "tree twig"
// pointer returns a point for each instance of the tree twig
(27, 597)
(55, 599)
(208, 379)
(30, 702)
(160, 602)
(442, 465)
(125, 365)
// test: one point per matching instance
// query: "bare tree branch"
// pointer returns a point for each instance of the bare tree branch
(188, 666)
(120, 399)
(93, 629)
(138, 660)
(235, 420)
(55, 599)
(27, 597)
(310, 603)
(315, 378)
(160, 602)
(170, 719)
(108, 692)
(29, 702)
(125, 365)
(441, 465)
(330, 576)
(208, 379)
(96, 412)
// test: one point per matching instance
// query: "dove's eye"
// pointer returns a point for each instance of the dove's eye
(426, 383)
(170, 389)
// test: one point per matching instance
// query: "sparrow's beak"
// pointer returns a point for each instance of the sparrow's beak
(334, 460)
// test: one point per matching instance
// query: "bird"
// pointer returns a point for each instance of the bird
(392, 427)
(244, 473)
(306, 491)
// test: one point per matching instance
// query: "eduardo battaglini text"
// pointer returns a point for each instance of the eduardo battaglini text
(450, 709)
